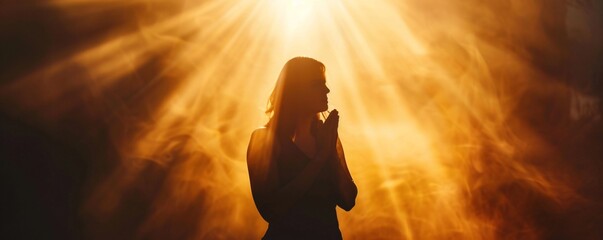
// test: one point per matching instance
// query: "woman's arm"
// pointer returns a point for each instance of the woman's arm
(346, 189)
(271, 200)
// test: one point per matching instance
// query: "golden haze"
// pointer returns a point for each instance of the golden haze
(441, 132)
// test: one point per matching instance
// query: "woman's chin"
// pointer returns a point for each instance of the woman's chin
(324, 108)
(320, 108)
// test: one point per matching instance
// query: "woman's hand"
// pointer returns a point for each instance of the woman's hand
(327, 136)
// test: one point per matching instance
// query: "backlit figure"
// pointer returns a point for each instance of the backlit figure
(296, 163)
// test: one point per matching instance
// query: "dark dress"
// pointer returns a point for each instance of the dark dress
(312, 216)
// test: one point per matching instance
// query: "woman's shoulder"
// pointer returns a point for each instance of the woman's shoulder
(261, 132)
(262, 135)
(262, 142)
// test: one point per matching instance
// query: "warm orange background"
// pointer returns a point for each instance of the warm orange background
(460, 119)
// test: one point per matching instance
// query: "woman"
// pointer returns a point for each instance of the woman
(297, 168)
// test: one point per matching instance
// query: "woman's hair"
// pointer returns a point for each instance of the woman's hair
(286, 98)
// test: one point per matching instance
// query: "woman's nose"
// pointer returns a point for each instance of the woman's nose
(327, 89)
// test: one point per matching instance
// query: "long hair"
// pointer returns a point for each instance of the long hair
(286, 99)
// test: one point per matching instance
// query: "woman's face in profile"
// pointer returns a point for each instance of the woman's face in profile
(315, 93)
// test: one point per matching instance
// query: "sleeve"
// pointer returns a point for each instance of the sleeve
(263, 171)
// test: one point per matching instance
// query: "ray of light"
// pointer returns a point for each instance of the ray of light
(428, 100)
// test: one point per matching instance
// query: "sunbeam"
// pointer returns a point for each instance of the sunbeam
(460, 120)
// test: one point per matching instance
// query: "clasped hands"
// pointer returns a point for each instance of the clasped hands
(327, 136)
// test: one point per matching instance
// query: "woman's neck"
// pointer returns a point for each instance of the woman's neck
(303, 126)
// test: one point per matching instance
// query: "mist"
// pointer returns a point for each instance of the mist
(460, 120)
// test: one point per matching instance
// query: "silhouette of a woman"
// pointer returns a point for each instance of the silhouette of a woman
(296, 163)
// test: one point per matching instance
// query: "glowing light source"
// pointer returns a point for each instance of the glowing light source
(424, 121)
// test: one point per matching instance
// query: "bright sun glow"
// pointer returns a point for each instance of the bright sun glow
(424, 120)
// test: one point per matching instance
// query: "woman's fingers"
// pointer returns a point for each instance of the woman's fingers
(332, 114)
(332, 131)
(333, 119)
(328, 132)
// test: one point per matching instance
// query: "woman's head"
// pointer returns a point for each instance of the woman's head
(300, 91)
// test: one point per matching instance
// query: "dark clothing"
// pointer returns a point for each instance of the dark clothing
(313, 216)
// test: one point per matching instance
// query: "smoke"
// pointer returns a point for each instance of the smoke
(464, 120)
